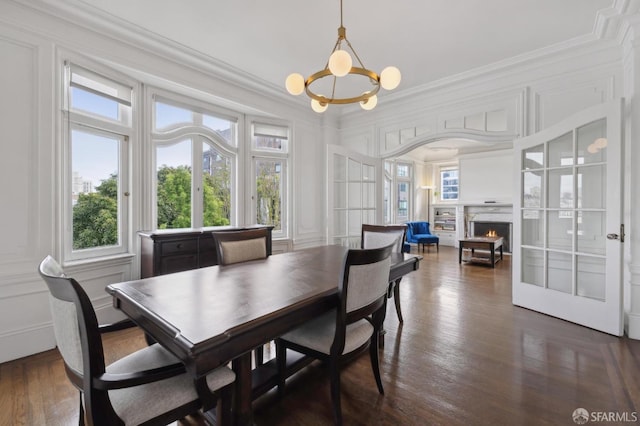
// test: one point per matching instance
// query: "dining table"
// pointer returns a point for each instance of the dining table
(213, 316)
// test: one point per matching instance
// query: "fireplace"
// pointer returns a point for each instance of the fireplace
(495, 229)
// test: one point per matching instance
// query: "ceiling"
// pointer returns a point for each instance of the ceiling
(426, 40)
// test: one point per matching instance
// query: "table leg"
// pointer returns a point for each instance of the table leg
(501, 253)
(242, 402)
(493, 256)
(460, 252)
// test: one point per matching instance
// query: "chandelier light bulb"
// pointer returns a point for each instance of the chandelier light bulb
(369, 104)
(318, 107)
(295, 84)
(390, 78)
(340, 63)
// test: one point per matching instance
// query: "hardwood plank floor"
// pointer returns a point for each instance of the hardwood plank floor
(464, 356)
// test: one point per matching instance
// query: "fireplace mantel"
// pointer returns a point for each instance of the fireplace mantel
(489, 212)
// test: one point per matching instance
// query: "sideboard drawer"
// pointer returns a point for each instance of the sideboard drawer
(168, 248)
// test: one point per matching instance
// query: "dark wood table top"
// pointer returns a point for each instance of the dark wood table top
(209, 316)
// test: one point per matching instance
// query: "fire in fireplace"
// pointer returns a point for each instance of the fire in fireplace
(493, 229)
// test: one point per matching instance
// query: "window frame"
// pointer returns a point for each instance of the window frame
(198, 133)
(123, 130)
(268, 154)
(408, 180)
(441, 171)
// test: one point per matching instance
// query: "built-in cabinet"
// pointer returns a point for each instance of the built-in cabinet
(444, 224)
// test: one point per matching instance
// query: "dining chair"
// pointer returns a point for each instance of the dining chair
(374, 236)
(242, 246)
(345, 332)
(148, 387)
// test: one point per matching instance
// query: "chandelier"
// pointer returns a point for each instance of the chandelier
(340, 64)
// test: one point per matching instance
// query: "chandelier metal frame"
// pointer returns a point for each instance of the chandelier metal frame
(373, 77)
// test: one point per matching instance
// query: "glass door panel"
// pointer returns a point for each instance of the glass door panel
(560, 188)
(592, 186)
(533, 228)
(591, 277)
(532, 189)
(560, 272)
(561, 151)
(591, 232)
(560, 229)
(533, 267)
(352, 195)
(564, 264)
(592, 142)
(533, 158)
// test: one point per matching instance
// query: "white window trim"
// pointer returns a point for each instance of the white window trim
(126, 131)
(441, 169)
(283, 155)
(199, 133)
(409, 181)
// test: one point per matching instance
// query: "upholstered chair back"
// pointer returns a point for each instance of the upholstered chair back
(376, 236)
(367, 283)
(241, 246)
(74, 323)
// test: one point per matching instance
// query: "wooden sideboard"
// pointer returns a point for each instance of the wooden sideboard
(165, 251)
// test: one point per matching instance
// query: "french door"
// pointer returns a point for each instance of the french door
(352, 190)
(567, 257)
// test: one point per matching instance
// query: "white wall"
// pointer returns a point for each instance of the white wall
(33, 44)
(486, 177)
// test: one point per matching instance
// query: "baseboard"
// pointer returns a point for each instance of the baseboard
(633, 326)
(20, 343)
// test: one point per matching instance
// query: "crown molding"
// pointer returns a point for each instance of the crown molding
(81, 14)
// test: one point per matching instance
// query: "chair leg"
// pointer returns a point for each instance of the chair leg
(281, 361)
(396, 299)
(81, 411)
(375, 364)
(223, 409)
(335, 391)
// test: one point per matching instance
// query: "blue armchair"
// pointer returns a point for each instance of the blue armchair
(419, 233)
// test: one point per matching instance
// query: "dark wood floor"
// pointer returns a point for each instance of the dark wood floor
(464, 356)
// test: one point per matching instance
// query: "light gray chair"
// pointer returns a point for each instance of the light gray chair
(347, 331)
(374, 236)
(147, 387)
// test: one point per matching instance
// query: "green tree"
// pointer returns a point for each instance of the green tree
(174, 197)
(95, 216)
(269, 197)
(217, 197)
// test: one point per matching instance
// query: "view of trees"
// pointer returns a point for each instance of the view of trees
(174, 197)
(95, 215)
(268, 191)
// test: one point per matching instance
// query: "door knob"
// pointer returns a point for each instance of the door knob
(613, 236)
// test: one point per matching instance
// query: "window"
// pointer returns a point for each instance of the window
(195, 162)
(449, 184)
(270, 156)
(98, 129)
(388, 184)
(403, 192)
